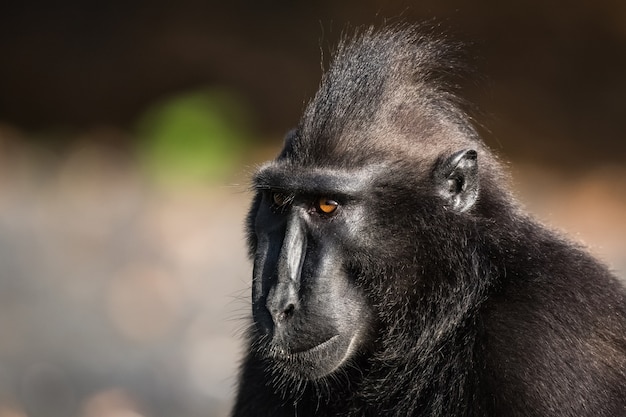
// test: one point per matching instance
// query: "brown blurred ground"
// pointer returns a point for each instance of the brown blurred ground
(115, 295)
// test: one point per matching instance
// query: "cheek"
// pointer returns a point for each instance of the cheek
(353, 309)
(338, 295)
(358, 232)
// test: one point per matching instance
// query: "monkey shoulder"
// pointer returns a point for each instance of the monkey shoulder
(554, 336)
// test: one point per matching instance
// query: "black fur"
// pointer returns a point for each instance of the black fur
(471, 308)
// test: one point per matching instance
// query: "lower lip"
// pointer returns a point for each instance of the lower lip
(319, 347)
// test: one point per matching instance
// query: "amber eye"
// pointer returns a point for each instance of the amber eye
(279, 199)
(326, 205)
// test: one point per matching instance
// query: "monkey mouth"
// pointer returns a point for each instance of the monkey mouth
(314, 362)
(317, 348)
(280, 352)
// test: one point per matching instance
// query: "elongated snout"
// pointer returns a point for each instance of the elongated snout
(283, 297)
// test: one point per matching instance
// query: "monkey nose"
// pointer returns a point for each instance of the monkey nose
(282, 303)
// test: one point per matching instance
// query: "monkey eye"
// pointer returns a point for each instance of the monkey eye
(326, 205)
(280, 199)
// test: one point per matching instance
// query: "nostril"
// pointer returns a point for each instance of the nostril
(289, 309)
(286, 313)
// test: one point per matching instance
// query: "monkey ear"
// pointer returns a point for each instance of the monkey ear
(457, 180)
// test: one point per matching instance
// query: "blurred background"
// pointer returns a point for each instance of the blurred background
(128, 131)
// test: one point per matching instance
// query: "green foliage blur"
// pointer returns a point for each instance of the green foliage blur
(194, 137)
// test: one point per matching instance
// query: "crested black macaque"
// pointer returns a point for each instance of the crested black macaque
(395, 274)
